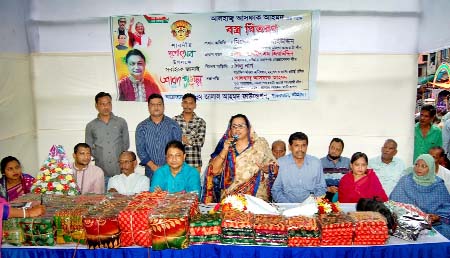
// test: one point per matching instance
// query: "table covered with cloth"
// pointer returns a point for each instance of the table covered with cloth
(427, 246)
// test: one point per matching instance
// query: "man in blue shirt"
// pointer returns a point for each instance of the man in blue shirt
(176, 175)
(153, 134)
(299, 175)
(334, 166)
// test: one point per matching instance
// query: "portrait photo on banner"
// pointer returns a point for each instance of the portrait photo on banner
(234, 56)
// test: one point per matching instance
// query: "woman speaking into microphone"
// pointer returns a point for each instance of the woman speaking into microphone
(242, 163)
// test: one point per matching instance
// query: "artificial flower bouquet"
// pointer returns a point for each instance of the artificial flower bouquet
(55, 176)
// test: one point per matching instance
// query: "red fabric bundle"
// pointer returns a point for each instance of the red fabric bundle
(102, 232)
(337, 229)
(133, 220)
(270, 223)
(370, 228)
(237, 219)
(302, 222)
(303, 241)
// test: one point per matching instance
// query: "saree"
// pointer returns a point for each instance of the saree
(18, 190)
(368, 186)
(240, 173)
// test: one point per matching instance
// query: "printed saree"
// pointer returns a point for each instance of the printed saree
(240, 174)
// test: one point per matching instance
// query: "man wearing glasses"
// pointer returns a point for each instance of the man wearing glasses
(129, 182)
(176, 175)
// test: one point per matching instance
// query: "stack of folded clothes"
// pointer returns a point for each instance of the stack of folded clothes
(205, 229)
(102, 225)
(133, 220)
(270, 230)
(69, 224)
(30, 231)
(303, 231)
(337, 229)
(169, 221)
(237, 228)
(370, 228)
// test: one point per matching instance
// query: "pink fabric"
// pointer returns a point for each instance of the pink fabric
(368, 186)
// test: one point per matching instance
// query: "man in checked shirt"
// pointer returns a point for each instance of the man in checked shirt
(194, 129)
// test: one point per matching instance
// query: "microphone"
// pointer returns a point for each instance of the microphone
(235, 138)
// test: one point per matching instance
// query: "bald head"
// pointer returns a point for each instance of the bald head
(278, 149)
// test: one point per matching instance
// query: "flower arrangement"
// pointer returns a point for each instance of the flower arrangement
(55, 176)
(231, 202)
(325, 206)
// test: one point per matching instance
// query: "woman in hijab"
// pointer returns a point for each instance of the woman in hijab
(422, 188)
(242, 163)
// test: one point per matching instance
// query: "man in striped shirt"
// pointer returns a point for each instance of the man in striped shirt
(194, 129)
(153, 134)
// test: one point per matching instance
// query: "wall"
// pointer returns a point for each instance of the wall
(17, 116)
(434, 34)
(365, 86)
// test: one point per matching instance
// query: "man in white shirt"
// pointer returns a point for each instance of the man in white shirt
(438, 153)
(388, 168)
(128, 182)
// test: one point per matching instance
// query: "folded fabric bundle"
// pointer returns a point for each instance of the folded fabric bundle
(102, 231)
(140, 238)
(205, 231)
(237, 219)
(269, 222)
(370, 228)
(271, 236)
(337, 229)
(244, 232)
(303, 241)
(302, 223)
(271, 242)
(205, 242)
(134, 223)
(204, 220)
(195, 239)
(170, 221)
(303, 231)
(238, 241)
(103, 241)
(69, 224)
(12, 233)
(275, 232)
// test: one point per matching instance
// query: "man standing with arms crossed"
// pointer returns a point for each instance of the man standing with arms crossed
(107, 135)
(194, 129)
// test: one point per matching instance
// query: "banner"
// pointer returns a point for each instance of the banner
(235, 56)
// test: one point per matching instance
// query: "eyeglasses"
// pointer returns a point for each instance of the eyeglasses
(125, 162)
(238, 126)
